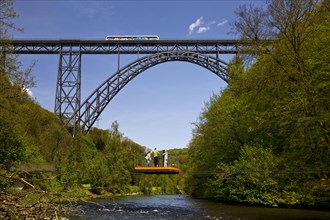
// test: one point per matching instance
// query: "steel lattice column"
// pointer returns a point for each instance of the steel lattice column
(68, 93)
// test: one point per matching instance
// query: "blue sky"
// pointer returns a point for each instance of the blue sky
(157, 108)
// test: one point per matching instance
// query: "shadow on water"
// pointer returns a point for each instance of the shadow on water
(182, 207)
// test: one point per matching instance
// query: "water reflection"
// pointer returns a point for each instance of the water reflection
(183, 207)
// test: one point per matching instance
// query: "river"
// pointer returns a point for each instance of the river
(183, 207)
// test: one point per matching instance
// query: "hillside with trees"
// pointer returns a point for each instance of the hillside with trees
(41, 157)
(42, 163)
(263, 140)
(266, 138)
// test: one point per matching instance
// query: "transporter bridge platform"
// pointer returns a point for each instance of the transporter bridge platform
(157, 170)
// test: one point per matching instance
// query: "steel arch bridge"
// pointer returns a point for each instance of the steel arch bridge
(99, 99)
(82, 116)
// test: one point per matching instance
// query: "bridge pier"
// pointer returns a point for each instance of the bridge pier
(68, 87)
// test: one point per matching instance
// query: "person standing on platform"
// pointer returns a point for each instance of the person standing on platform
(155, 153)
(148, 158)
(163, 154)
(165, 158)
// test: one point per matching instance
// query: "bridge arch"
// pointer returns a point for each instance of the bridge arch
(85, 116)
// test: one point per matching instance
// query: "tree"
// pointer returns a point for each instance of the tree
(11, 147)
(283, 20)
(9, 65)
(251, 23)
(253, 178)
(7, 13)
(289, 71)
(279, 103)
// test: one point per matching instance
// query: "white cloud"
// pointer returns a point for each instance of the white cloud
(202, 30)
(196, 24)
(222, 22)
(199, 26)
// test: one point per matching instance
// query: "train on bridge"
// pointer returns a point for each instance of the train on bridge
(132, 37)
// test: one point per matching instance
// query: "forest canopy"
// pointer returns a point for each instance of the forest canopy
(264, 140)
(267, 135)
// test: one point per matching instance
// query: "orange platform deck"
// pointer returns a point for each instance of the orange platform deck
(157, 170)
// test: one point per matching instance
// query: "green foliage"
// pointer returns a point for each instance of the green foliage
(103, 159)
(268, 133)
(49, 183)
(251, 179)
(11, 146)
(266, 137)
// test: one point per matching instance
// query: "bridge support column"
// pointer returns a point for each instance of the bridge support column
(68, 88)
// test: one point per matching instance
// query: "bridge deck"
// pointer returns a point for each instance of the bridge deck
(157, 170)
(229, 46)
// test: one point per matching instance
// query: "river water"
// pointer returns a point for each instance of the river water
(183, 207)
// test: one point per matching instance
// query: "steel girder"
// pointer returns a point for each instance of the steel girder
(68, 93)
(86, 115)
(125, 47)
(68, 89)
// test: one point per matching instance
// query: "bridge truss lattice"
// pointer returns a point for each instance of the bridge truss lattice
(68, 105)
